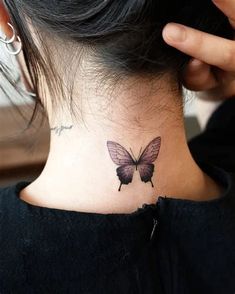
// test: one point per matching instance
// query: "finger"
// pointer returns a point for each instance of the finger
(218, 93)
(228, 8)
(199, 77)
(210, 49)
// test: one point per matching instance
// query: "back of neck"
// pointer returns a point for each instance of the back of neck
(126, 152)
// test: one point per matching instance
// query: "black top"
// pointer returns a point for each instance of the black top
(175, 246)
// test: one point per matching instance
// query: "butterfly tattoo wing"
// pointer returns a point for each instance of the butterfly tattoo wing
(145, 162)
(146, 172)
(124, 160)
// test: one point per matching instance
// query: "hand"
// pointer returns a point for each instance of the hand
(212, 69)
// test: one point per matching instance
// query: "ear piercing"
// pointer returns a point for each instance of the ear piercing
(8, 42)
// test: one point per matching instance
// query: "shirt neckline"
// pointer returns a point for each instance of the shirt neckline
(219, 175)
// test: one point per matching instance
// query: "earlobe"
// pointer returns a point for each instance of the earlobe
(4, 19)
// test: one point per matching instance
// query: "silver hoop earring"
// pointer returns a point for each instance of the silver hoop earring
(8, 42)
(12, 39)
(16, 52)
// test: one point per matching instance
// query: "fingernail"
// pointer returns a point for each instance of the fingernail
(175, 32)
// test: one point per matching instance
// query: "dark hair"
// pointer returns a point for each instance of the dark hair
(125, 34)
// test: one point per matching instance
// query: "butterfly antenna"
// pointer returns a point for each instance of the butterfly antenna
(133, 154)
(120, 187)
(140, 153)
(152, 183)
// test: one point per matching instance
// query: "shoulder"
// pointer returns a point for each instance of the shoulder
(202, 236)
(7, 195)
(11, 237)
(10, 209)
(216, 216)
(5, 198)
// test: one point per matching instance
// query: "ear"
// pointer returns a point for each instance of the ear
(4, 19)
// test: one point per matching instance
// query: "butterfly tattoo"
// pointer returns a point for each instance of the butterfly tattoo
(128, 163)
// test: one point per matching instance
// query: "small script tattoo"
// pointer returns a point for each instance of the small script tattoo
(128, 163)
(58, 130)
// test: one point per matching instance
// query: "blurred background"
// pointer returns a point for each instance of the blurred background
(23, 151)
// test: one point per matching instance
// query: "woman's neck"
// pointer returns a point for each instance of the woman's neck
(81, 171)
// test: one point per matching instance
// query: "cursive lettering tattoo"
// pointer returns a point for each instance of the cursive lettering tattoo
(128, 163)
(58, 130)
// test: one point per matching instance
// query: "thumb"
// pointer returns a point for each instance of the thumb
(198, 76)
